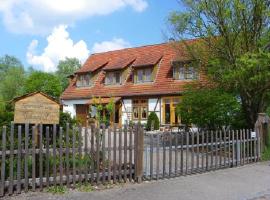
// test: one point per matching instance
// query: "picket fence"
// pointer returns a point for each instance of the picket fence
(41, 156)
(179, 153)
(34, 157)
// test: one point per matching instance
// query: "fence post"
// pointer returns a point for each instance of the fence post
(262, 130)
(139, 154)
(238, 144)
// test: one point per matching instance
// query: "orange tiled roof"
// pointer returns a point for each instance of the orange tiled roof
(164, 84)
(92, 64)
(119, 63)
(148, 58)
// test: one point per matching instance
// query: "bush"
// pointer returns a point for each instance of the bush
(266, 154)
(5, 118)
(66, 118)
(152, 118)
(208, 108)
(266, 151)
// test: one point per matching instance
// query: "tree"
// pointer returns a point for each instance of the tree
(12, 82)
(44, 82)
(208, 108)
(65, 68)
(233, 46)
(7, 62)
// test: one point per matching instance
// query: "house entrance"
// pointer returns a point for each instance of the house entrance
(82, 111)
(167, 112)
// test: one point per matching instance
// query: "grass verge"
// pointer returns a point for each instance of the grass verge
(85, 187)
(57, 189)
(266, 154)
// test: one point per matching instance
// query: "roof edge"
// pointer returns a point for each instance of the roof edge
(33, 93)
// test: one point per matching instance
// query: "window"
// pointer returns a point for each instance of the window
(143, 75)
(140, 109)
(83, 80)
(113, 78)
(148, 75)
(135, 113)
(144, 112)
(184, 71)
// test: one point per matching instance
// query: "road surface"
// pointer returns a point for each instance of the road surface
(250, 182)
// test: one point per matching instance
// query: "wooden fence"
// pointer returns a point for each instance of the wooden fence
(182, 153)
(35, 157)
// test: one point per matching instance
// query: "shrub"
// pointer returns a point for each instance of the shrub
(152, 118)
(5, 118)
(266, 154)
(208, 108)
(66, 118)
(266, 151)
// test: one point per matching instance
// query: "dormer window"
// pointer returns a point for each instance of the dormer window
(184, 71)
(113, 78)
(143, 75)
(83, 80)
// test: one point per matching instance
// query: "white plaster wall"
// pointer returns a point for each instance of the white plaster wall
(152, 104)
(69, 106)
(127, 106)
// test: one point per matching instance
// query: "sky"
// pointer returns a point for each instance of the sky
(40, 33)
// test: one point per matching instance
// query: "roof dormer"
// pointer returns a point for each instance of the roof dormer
(145, 68)
(116, 70)
(184, 70)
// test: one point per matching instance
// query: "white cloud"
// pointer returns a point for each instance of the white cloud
(39, 17)
(59, 46)
(115, 44)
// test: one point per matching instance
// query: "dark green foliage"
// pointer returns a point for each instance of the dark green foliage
(5, 118)
(266, 154)
(66, 118)
(152, 119)
(44, 82)
(208, 108)
(266, 151)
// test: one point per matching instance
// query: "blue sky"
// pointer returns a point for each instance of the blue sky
(41, 34)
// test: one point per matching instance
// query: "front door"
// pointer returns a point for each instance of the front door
(82, 111)
(116, 118)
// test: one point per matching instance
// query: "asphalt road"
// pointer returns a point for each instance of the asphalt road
(250, 182)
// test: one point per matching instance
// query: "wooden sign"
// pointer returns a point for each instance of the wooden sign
(36, 108)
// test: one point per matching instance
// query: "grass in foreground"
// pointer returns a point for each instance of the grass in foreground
(57, 189)
(85, 187)
(266, 154)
